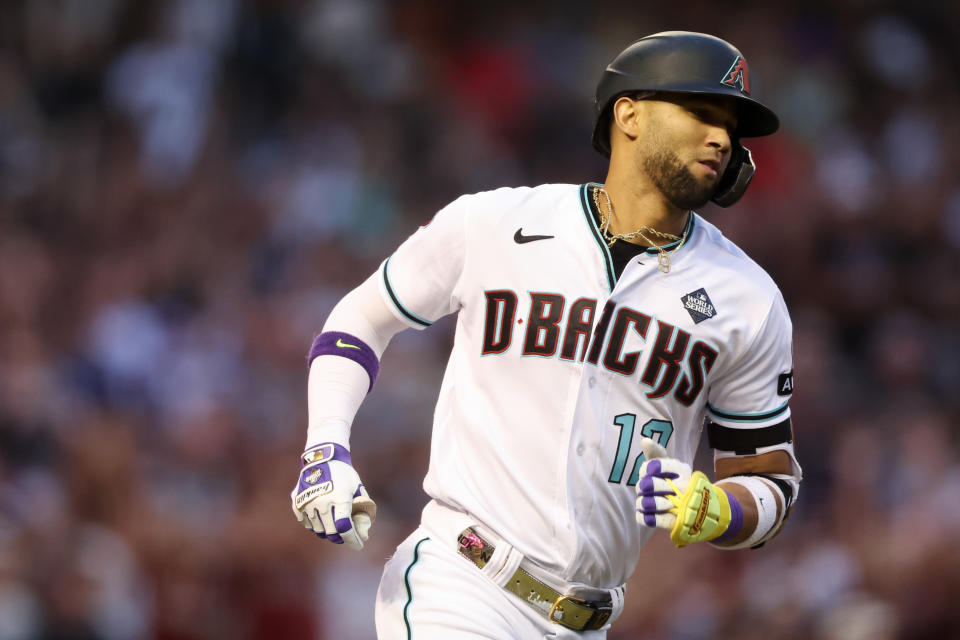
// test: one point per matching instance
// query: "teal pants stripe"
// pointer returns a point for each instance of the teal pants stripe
(406, 581)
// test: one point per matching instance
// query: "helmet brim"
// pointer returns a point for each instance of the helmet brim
(754, 119)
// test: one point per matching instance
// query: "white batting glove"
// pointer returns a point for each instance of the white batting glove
(653, 505)
(329, 498)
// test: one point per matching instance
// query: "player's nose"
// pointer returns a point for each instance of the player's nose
(719, 138)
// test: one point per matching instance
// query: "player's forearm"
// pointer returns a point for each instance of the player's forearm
(773, 462)
(764, 507)
(760, 485)
(748, 508)
(345, 362)
(336, 388)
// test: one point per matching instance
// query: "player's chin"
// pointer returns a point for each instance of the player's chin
(706, 186)
(696, 195)
(686, 189)
(692, 200)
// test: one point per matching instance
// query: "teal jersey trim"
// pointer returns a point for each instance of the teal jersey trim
(406, 581)
(747, 417)
(412, 317)
(592, 225)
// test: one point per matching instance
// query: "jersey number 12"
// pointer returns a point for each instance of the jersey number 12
(658, 430)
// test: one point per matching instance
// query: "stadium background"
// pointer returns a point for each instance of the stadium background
(187, 187)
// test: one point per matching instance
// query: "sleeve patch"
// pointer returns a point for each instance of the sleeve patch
(785, 384)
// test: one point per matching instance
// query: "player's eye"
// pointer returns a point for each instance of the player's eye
(710, 117)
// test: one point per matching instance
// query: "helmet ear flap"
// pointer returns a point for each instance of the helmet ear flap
(736, 178)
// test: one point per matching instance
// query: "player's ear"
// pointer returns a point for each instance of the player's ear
(628, 116)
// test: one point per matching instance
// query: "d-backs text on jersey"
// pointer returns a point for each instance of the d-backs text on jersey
(673, 365)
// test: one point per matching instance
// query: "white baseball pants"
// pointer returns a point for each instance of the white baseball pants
(429, 592)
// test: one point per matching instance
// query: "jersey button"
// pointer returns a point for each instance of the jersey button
(592, 382)
(580, 449)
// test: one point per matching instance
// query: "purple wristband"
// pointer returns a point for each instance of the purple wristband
(736, 519)
(337, 343)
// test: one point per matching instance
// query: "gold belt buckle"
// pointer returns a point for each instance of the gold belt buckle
(558, 606)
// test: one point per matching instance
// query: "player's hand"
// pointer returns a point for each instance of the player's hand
(671, 496)
(329, 498)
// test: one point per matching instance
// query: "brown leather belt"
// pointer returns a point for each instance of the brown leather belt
(573, 613)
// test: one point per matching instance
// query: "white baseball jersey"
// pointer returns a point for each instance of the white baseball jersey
(559, 368)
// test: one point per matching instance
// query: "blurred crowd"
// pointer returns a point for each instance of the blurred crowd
(188, 186)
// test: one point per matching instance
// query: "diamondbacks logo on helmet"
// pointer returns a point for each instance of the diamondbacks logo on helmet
(738, 75)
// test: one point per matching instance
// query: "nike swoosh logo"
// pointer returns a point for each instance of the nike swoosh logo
(346, 345)
(519, 238)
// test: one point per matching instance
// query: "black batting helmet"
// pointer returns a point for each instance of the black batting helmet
(686, 62)
(681, 62)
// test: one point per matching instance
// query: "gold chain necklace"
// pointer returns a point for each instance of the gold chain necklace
(663, 256)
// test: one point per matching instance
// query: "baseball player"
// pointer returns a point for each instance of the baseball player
(599, 328)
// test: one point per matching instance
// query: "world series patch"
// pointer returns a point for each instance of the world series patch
(699, 305)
